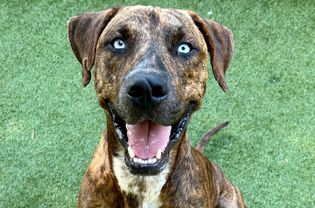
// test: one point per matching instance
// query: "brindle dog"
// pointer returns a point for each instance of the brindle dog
(150, 76)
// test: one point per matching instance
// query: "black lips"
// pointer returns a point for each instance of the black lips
(177, 131)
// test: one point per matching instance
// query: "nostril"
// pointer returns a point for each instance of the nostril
(135, 91)
(138, 89)
(158, 91)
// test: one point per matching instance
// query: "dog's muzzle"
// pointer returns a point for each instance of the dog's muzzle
(142, 120)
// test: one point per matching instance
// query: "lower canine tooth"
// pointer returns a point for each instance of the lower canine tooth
(158, 154)
(131, 153)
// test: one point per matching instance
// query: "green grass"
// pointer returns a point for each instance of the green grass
(49, 125)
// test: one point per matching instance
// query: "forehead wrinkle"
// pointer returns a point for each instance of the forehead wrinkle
(142, 15)
(169, 19)
(129, 16)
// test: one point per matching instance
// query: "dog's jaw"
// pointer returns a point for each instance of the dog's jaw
(133, 161)
(146, 189)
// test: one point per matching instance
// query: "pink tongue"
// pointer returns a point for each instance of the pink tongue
(147, 138)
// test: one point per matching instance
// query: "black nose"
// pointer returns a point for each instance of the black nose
(147, 90)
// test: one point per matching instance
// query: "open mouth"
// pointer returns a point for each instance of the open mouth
(147, 144)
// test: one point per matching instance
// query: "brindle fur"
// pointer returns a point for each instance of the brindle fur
(190, 179)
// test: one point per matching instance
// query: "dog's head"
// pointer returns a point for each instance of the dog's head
(150, 73)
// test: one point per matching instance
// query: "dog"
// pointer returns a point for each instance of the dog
(150, 74)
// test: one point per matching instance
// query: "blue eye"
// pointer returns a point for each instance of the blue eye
(184, 48)
(119, 44)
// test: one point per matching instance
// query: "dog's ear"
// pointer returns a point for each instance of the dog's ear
(83, 32)
(220, 45)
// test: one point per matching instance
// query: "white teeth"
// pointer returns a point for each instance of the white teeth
(158, 154)
(136, 160)
(144, 162)
(131, 153)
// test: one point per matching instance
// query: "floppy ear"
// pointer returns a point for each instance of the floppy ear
(220, 45)
(84, 31)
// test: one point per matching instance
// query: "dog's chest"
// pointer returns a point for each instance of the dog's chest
(146, 189)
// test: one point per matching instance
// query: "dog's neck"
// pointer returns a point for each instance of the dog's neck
(144, 189)
(140, 191)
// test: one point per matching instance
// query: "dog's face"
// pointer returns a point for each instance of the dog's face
(150, 73)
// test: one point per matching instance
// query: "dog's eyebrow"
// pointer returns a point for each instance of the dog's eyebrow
(125, 31)
(174, 34)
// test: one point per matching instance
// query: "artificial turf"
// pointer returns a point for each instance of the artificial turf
(50, 125)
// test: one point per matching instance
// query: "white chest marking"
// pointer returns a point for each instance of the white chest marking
(129, 183)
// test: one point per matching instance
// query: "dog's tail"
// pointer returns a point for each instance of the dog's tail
(206, 137)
